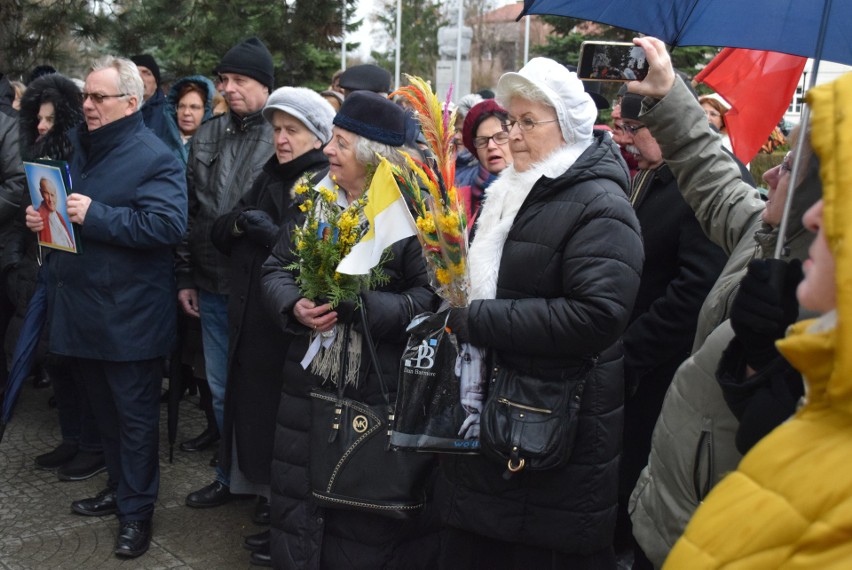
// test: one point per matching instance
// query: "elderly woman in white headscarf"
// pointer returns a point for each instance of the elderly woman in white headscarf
(554, 271)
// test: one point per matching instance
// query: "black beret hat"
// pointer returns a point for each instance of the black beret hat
(373, 117)
(366, 77)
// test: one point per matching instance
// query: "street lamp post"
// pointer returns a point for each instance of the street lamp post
(459, 26)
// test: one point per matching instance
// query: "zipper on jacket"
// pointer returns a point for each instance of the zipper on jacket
(507, 402)
(703, 449)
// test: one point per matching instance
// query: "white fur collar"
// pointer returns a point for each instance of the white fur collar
(503, 199)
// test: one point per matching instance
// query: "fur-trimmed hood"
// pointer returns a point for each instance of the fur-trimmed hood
(7, 96)
(68, 112)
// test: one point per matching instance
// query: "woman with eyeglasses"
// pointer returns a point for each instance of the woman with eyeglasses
(483, 136)
(554, 271)
(189, 103)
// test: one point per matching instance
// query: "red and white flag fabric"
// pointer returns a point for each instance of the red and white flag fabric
(759, 86)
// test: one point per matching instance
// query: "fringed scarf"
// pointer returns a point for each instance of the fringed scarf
(329, 361)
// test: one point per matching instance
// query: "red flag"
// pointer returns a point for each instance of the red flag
(759, 86)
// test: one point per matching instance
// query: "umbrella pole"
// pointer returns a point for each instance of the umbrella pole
(2, 430)
(803, 126)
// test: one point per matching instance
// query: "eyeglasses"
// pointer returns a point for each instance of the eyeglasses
(787, 164)
(181, 108)
(97, 98)
(632, 129)
(500, 137)
(526, 124)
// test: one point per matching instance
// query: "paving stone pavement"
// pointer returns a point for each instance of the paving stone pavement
(39, 531)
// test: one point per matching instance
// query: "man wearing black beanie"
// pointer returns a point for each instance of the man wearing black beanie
(227, 152)
(154, 102)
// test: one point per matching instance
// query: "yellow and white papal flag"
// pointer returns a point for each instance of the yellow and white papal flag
(389, 220)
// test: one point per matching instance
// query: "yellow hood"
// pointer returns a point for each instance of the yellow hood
(831, 137)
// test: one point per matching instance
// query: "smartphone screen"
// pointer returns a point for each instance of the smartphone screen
(612, 61)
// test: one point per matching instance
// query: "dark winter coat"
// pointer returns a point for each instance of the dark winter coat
(568, 275)
(12, 188)
(154, 114)
(116, 299)
(12, 178)
(256, 344)
(304, 536)
(172, 137)
(681, 265)
(19, 260)
(227, 154)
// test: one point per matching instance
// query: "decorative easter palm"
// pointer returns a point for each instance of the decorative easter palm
(428, 189)
(326, 237)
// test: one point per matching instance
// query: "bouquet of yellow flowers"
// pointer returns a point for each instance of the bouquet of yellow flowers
(429, 192)
(326, 237)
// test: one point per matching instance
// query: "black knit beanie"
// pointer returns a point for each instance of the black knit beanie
(252, 59)
(373, 117)
(631, 106)
(148, 61)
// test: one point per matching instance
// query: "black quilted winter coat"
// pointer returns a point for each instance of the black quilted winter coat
(568, 276)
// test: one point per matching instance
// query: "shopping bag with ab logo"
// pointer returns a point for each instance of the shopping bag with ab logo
(440, 392)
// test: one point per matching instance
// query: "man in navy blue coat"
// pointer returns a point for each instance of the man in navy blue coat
(111, 307)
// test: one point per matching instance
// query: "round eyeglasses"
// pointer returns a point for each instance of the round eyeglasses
(526, 124)
(500, 138)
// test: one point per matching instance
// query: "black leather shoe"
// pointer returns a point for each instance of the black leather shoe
(213, 495)
(84, 465)
(134, 538)
(64, 453)
(261, 511)
(207, 438)
(261, 557)
(259, 541)
(104, 503)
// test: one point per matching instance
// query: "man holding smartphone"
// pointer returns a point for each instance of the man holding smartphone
(681, 265)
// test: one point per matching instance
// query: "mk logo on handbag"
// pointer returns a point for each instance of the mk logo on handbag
(360, 424)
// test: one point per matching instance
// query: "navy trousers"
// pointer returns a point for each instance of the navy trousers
(125, 399)
(76, 419)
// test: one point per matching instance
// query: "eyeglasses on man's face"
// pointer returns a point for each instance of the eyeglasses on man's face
(631, 129)
(786, 164)
(526, 124)
(500, 137)
(98, 98)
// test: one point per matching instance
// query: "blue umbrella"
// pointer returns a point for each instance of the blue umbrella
(25, 349)
(788, 26)
(808, 28)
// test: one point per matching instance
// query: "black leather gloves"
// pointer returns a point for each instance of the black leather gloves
(457, 323)
(347, 312)
(258, 227)
(764, 307)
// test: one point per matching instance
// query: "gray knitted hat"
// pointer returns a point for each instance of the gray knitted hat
(306, 105)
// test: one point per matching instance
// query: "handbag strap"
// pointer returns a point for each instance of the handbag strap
(374, 357)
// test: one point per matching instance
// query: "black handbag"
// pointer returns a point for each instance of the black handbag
(530, 422)
(351, 464)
